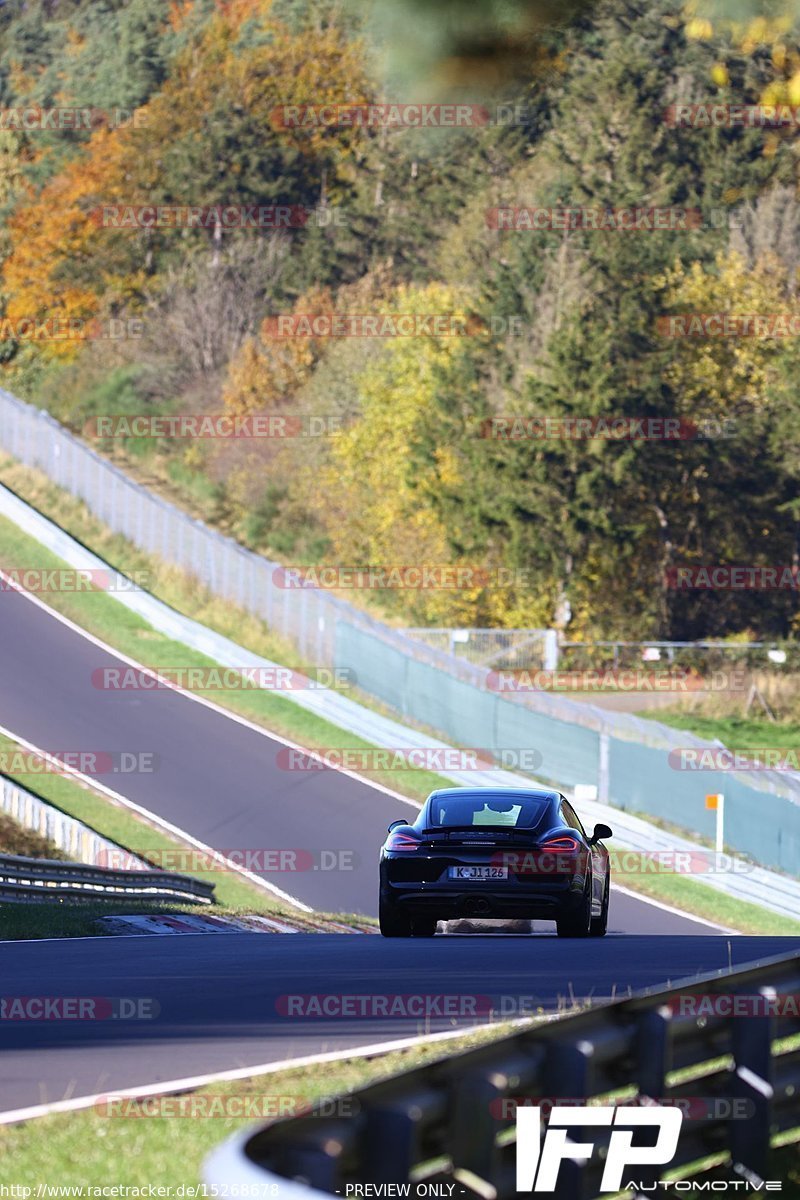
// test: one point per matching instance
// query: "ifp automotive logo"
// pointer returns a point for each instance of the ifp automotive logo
(539, 1160)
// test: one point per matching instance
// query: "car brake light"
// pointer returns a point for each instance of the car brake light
(401, 841)
(568, 844)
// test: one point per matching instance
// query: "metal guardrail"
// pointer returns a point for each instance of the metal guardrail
(448, 1122)
(46, 879)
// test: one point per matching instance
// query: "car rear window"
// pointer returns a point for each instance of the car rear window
(520, 812)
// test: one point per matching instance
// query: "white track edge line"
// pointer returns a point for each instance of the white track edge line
(160, 822)
(197, 1081)
(217, 708)
(679, 912)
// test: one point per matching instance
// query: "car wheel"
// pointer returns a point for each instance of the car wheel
(423, 927)
(392, 923)
(600, 924)
(577, 923)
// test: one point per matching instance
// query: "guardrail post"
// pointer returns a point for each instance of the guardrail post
(751, 1044)
(478, 1117)
(567, 1076)
(390, 1139)
(550, 654)
(604, 769)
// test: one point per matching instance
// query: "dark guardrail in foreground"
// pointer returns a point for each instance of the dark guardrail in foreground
(451, 1121)
(44, 879)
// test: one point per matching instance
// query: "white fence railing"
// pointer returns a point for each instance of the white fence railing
(81, 843)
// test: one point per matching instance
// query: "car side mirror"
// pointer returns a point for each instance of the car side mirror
(600, 832)
(394, 824)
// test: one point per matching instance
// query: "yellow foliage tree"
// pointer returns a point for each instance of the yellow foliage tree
(375, 507)
(716, 376)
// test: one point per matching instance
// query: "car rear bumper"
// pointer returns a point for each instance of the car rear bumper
(446, 900)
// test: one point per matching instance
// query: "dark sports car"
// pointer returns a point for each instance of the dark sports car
(495, 853)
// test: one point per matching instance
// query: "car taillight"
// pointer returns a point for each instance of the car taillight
(564, 845)
(401, 841)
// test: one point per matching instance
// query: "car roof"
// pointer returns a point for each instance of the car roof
(544, 794)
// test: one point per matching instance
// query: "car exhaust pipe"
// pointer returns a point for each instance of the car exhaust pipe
(477, 906)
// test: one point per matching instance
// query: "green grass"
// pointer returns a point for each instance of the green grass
(25, 922)
(15, 839)
(19, 922)
(78, 1149)
(737, 733)
(703, 901)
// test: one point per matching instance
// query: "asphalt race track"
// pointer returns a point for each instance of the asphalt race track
(215, 778)
(219, 997)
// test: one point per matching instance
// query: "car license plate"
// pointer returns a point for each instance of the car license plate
(478, 873)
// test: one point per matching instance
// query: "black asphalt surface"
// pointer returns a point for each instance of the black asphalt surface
(223, 1001)
(217, 996)
(215, 778)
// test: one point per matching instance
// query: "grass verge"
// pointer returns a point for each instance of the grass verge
(737, 733)
(702, 901)
(15, 839)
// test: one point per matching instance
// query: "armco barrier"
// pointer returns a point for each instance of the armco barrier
(77, 840)
(45, 880)
(626, 756)
(451, 1123)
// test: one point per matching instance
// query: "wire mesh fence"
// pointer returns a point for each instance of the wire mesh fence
(453, 687)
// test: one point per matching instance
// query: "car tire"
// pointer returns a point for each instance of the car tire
(599, 924)
(424, 926)
(577, 923)
(392, 923)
